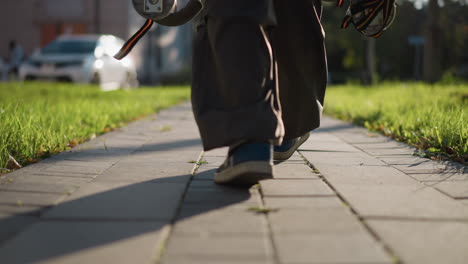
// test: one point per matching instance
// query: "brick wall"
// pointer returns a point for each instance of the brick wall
(32, 23)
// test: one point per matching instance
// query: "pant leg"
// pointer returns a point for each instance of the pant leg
(298, 42)
(234, 91)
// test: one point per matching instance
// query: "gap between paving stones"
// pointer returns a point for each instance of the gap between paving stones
(273, 245)
(170, 227)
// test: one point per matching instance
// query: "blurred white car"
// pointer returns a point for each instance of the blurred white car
(82, 59)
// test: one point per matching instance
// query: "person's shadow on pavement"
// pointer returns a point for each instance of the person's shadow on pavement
(115, 215)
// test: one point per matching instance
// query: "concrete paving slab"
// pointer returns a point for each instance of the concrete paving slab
(188, 209)
(136, 137)
(76, 163)
(430, 167)
(343, 159)
(189, 260)
(360, 136)
(188, 140)
(313, 203)
(312, 221)
(403, 160)
(326, 146)
(141, 201)
(246, 248)
(212, 162)
(391, 151)
(50, 184)
(219, 152)
(295, 156)
(402, 201)
(425, 242)
(205, 173)
(317, 136)
(295, 161)
(220, 197)
(329, 248)
(100, 155)
(85, 242)
(382, 145)
(8, 209)
(455, 189)
(439, 177)
(28, 170)
(40, 187)
(157, 170)
(225, 221)
(180, 155)
(10, 225)
(366, 175)
(208, 185)
(122, 144)
(29, 198)
(65, 174)
(293, 171)
(74, 169)
(312, 187)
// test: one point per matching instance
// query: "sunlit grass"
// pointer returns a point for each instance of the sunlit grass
(40, 119)
(430, 117)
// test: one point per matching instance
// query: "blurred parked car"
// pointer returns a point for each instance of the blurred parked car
(82, 59)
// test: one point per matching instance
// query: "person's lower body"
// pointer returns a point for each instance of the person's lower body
(241, 72)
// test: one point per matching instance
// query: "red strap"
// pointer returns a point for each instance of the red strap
(346, 21)
(128, 46)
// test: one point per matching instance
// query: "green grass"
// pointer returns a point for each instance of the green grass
(431, 117)
(40, 119)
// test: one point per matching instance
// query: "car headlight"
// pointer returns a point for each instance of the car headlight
(98, 64)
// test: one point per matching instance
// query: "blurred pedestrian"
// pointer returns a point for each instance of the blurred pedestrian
(3, 69)
(15, 57)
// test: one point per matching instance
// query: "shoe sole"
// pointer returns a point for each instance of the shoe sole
(287, 154)
(245, 174)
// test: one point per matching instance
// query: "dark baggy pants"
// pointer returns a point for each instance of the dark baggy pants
(254, 82)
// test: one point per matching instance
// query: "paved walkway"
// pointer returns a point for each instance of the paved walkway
(145, 194)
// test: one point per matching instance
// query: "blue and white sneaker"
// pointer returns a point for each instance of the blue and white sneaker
(246, 165)
(286, 150)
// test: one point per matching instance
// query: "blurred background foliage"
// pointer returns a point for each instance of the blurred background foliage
(441, 26)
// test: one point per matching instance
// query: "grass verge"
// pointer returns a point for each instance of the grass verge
(38, 120)
(430, 117)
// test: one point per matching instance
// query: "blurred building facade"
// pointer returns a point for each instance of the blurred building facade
(163, 53)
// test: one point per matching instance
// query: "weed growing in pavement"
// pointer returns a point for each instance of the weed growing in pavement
(166, 128)
(199, 163)
(263, 210)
